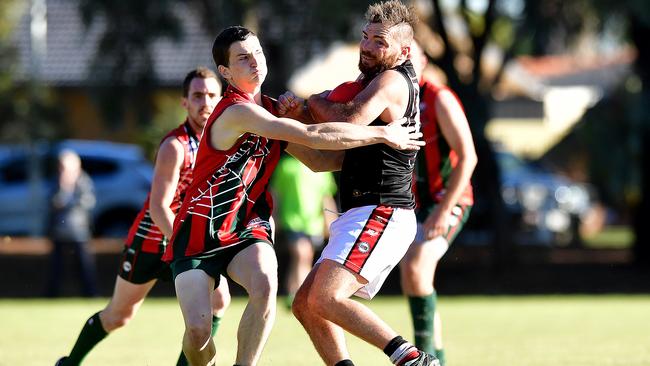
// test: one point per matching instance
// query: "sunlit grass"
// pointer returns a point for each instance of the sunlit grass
(504, 331)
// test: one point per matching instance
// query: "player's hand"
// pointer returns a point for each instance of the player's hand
(436, 224)
(289, 104)
(400, 137)
(322, 95)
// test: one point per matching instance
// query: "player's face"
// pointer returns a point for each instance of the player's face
(378, 50)
(203, 95)
(247, 65)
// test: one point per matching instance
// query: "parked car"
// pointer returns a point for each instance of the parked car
(120, 172)
(542, 208)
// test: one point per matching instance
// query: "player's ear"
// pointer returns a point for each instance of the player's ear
(406, 51)
(224, 72)
(184, 102)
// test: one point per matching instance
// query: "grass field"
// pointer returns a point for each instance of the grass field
(505, 331)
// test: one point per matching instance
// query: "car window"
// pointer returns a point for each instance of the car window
(15, 171)
(97, 167)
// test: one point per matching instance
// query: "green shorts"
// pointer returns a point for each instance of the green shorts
(140, 267)
(458, 218)
(215, 264)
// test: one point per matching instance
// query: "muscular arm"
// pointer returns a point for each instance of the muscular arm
(386, 97)
(455, 129)
(241, 118)
(317, 160)
(163, 187)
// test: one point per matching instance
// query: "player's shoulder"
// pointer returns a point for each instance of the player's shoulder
(171, 148)
(391, 82)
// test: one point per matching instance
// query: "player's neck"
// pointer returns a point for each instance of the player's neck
(253, 92)
(196, 128)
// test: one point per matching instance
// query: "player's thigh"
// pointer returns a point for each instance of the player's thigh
(333, 279)
(194, 289)
(128, 296)
(256, 261)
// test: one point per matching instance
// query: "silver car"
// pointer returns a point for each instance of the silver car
(120, 172)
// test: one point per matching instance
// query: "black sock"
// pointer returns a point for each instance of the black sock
(91, 334)
(344, 363)
(392, 346)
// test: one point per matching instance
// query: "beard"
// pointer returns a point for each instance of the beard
(381, 65)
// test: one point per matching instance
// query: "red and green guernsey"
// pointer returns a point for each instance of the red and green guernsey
(228, 202)
(436, 160)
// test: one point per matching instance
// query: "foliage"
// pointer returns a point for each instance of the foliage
(28, 110)
(123, 77)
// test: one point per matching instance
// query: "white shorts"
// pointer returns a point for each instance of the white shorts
(370, 241)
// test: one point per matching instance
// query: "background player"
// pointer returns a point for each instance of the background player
(141, 263)
(444, 196)
(304, 204)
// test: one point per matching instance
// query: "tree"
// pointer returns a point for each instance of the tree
(28, 109)
(122, 70)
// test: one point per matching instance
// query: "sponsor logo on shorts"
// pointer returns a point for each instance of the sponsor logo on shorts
(126, 266)
(371, 232)
(363, 247)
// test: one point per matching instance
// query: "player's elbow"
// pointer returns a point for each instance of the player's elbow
(471, 159)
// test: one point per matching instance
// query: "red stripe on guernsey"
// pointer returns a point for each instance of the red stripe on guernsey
(433, 151)
(369, 237)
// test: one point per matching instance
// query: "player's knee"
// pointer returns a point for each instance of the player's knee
(116, 318)
(263, 288)
(300, 305)
(198, 333)
(409, 271)
(220, 301)
(321, 304)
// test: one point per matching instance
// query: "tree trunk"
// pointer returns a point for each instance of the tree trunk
(640, 34)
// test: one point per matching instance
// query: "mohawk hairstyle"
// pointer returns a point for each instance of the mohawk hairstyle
(392, 13)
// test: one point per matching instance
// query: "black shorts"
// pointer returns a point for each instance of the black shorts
(140, 267)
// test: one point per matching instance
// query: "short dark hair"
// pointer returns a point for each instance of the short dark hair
(228, 36)
(200, 72)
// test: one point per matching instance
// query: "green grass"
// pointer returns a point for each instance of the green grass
(504, 331)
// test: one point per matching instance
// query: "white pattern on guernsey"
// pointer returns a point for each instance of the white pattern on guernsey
(252, 143)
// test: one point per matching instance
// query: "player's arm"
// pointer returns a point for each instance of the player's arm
(383, 92)
(455, 128)
(166, 174)
(317, 160)
(241, 118)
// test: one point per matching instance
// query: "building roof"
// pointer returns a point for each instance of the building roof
(71, 46)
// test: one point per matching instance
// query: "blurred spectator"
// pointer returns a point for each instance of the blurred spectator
(305, 207)
(69, 224)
